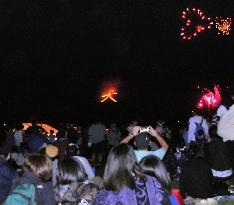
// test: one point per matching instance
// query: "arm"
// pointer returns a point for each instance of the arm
(160, 140)
(127, 139)
(130, 136)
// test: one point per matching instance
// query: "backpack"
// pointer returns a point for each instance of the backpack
(23, 194)
(199, 133)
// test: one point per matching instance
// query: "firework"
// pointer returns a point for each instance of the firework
(195, 22)
(210, 99)
(223, 25)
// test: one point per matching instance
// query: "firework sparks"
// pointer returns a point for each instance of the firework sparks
(210, 99)
(223, 25)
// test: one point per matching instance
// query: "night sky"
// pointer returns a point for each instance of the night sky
(57, 55)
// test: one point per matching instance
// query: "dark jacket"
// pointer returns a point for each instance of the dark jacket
(7, 174)
(196, 179)
(218, 155)
(44, 190)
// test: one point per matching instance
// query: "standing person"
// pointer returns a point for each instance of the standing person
(7, 173)
(18, 135)
(113, 136)
(198, 127)
(96, 134)
(125, 182)
(35, 185)
(142, 142)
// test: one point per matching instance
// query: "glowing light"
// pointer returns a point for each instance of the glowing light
(195, 22)
(210, 99)
(109, 95)
(223, 25)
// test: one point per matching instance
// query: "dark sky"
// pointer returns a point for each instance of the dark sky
(56, 55)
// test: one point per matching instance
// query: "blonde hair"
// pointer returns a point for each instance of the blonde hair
(40, 165)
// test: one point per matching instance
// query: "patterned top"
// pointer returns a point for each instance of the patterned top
(147, 192)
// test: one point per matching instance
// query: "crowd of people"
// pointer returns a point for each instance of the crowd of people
(140, 167)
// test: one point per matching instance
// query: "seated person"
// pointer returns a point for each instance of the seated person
(153, 166)
(7, 172)
(35, 179)
(196, 176)
(71, 185)
(142, 142)
(126, 184)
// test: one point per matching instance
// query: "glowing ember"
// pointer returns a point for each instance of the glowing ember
(109, 95)
(223, 25)
(210, 99)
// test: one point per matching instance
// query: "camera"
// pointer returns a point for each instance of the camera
(144, 129)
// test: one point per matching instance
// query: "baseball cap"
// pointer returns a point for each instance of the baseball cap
(142, 140)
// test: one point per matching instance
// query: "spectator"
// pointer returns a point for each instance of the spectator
(219, 158)
(37, 174)
(18, 135)
(73, 151)
(142, 142)
(194, 121)
(125, 182)
(71, 188)
(153, 166)
(96, 134)
(113, 136)
(51, 151)
(196, 176)
(36, 141)
(7, 173)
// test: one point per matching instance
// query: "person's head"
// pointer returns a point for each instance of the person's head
(69, 171)
(142, 141)
(40, 165)
(72, 150)
(121, 168)
(51, 132)
(153, 166)
(113, 127)
(196, 150)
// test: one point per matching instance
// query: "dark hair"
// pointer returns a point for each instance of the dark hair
(196, 150)
(72, 150)
(121, 168)
(40, 165)
(70, 170)
(153, 166)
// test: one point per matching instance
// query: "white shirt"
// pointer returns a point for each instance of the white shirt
(192, 127)
(18, 135)
(221, 111)
(97, 133)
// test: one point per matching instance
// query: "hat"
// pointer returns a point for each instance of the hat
(51, 151)
(142, 140)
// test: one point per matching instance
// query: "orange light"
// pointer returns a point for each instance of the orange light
(109, 95)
